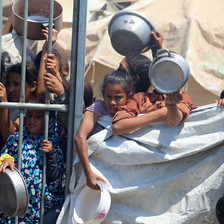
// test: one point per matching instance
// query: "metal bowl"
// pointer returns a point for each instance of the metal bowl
(14, 197)
(129, 32)
(38, 14)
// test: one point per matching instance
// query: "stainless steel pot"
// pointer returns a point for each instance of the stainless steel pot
(129, 32)
(38, 14)
(14, 197)
(168, 72)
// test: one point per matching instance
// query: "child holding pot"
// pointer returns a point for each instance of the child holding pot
(33, 147)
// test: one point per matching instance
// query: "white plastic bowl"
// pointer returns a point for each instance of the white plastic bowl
(91, 205)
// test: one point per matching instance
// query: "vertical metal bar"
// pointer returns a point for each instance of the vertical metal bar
(22, 89)
(1, 14)
(76, 81)
(46, 114)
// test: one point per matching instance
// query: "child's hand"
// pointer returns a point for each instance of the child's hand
(6, 162)
(46, 146)
(54, 37)
(91, 180)
(3, 95)
(52, 65)
(156, 40)
(53, 84)
(174, 98)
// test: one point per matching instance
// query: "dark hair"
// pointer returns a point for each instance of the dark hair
(118, 78)
(222, 95)
(88, 94)
(139, 65)
(31, 72)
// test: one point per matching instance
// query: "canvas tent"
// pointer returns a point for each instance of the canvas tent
(193, 28)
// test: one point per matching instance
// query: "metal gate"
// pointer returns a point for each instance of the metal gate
(75, 106)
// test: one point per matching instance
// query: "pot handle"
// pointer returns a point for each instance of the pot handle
(160, 51)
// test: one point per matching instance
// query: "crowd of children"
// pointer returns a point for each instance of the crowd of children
(126, 93)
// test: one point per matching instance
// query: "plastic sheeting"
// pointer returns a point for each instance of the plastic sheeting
(158, 174)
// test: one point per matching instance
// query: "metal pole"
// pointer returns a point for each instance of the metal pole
(76, 81)
(46, 114)
(22, 89)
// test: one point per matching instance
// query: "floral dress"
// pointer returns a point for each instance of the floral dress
(31, 170)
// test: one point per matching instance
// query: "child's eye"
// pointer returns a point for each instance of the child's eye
(118, 98)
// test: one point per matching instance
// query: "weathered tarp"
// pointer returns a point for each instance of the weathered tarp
(192, 28)
(158, 174)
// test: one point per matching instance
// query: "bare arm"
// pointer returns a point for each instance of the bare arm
(127, 125)
(156, 42)
(88, 123)
(8, 26)
(41, 89)
(6, 126)
(174, 115)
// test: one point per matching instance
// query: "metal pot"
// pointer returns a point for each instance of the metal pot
(129, 32)
(38, 14)
(168, 72)
(14, 197)
(91, 205)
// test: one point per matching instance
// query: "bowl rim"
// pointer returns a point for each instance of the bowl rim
(133, 13)
(33, 21)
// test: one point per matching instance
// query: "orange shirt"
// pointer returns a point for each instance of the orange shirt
(145, 102)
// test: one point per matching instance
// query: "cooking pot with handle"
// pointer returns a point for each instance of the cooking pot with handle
(168, 71)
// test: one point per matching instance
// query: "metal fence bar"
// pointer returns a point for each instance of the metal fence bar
(76, 81)
(46, 114)
(36, 106)
(22, 89)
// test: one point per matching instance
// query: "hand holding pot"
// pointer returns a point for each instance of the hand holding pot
(54, 37)
(174, 98)
(6, 162)
(156, 41)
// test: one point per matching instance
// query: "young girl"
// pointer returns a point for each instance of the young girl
(116, 90)
(9, 121)
(32, 163)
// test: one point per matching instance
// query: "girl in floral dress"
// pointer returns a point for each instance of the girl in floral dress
(33, 147)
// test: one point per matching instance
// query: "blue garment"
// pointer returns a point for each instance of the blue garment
(31, 170)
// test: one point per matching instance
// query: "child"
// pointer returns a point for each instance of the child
(137, 65)
(32, 163)
(9, 121)
(116, 90)
(171, 108)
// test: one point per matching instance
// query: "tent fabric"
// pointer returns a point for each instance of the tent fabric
(158, 174)
(192, 28)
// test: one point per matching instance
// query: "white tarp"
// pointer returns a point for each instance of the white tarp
(158, 174)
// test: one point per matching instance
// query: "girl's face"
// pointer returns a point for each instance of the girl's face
(114, 95)
(13, 86)
(35, 121)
